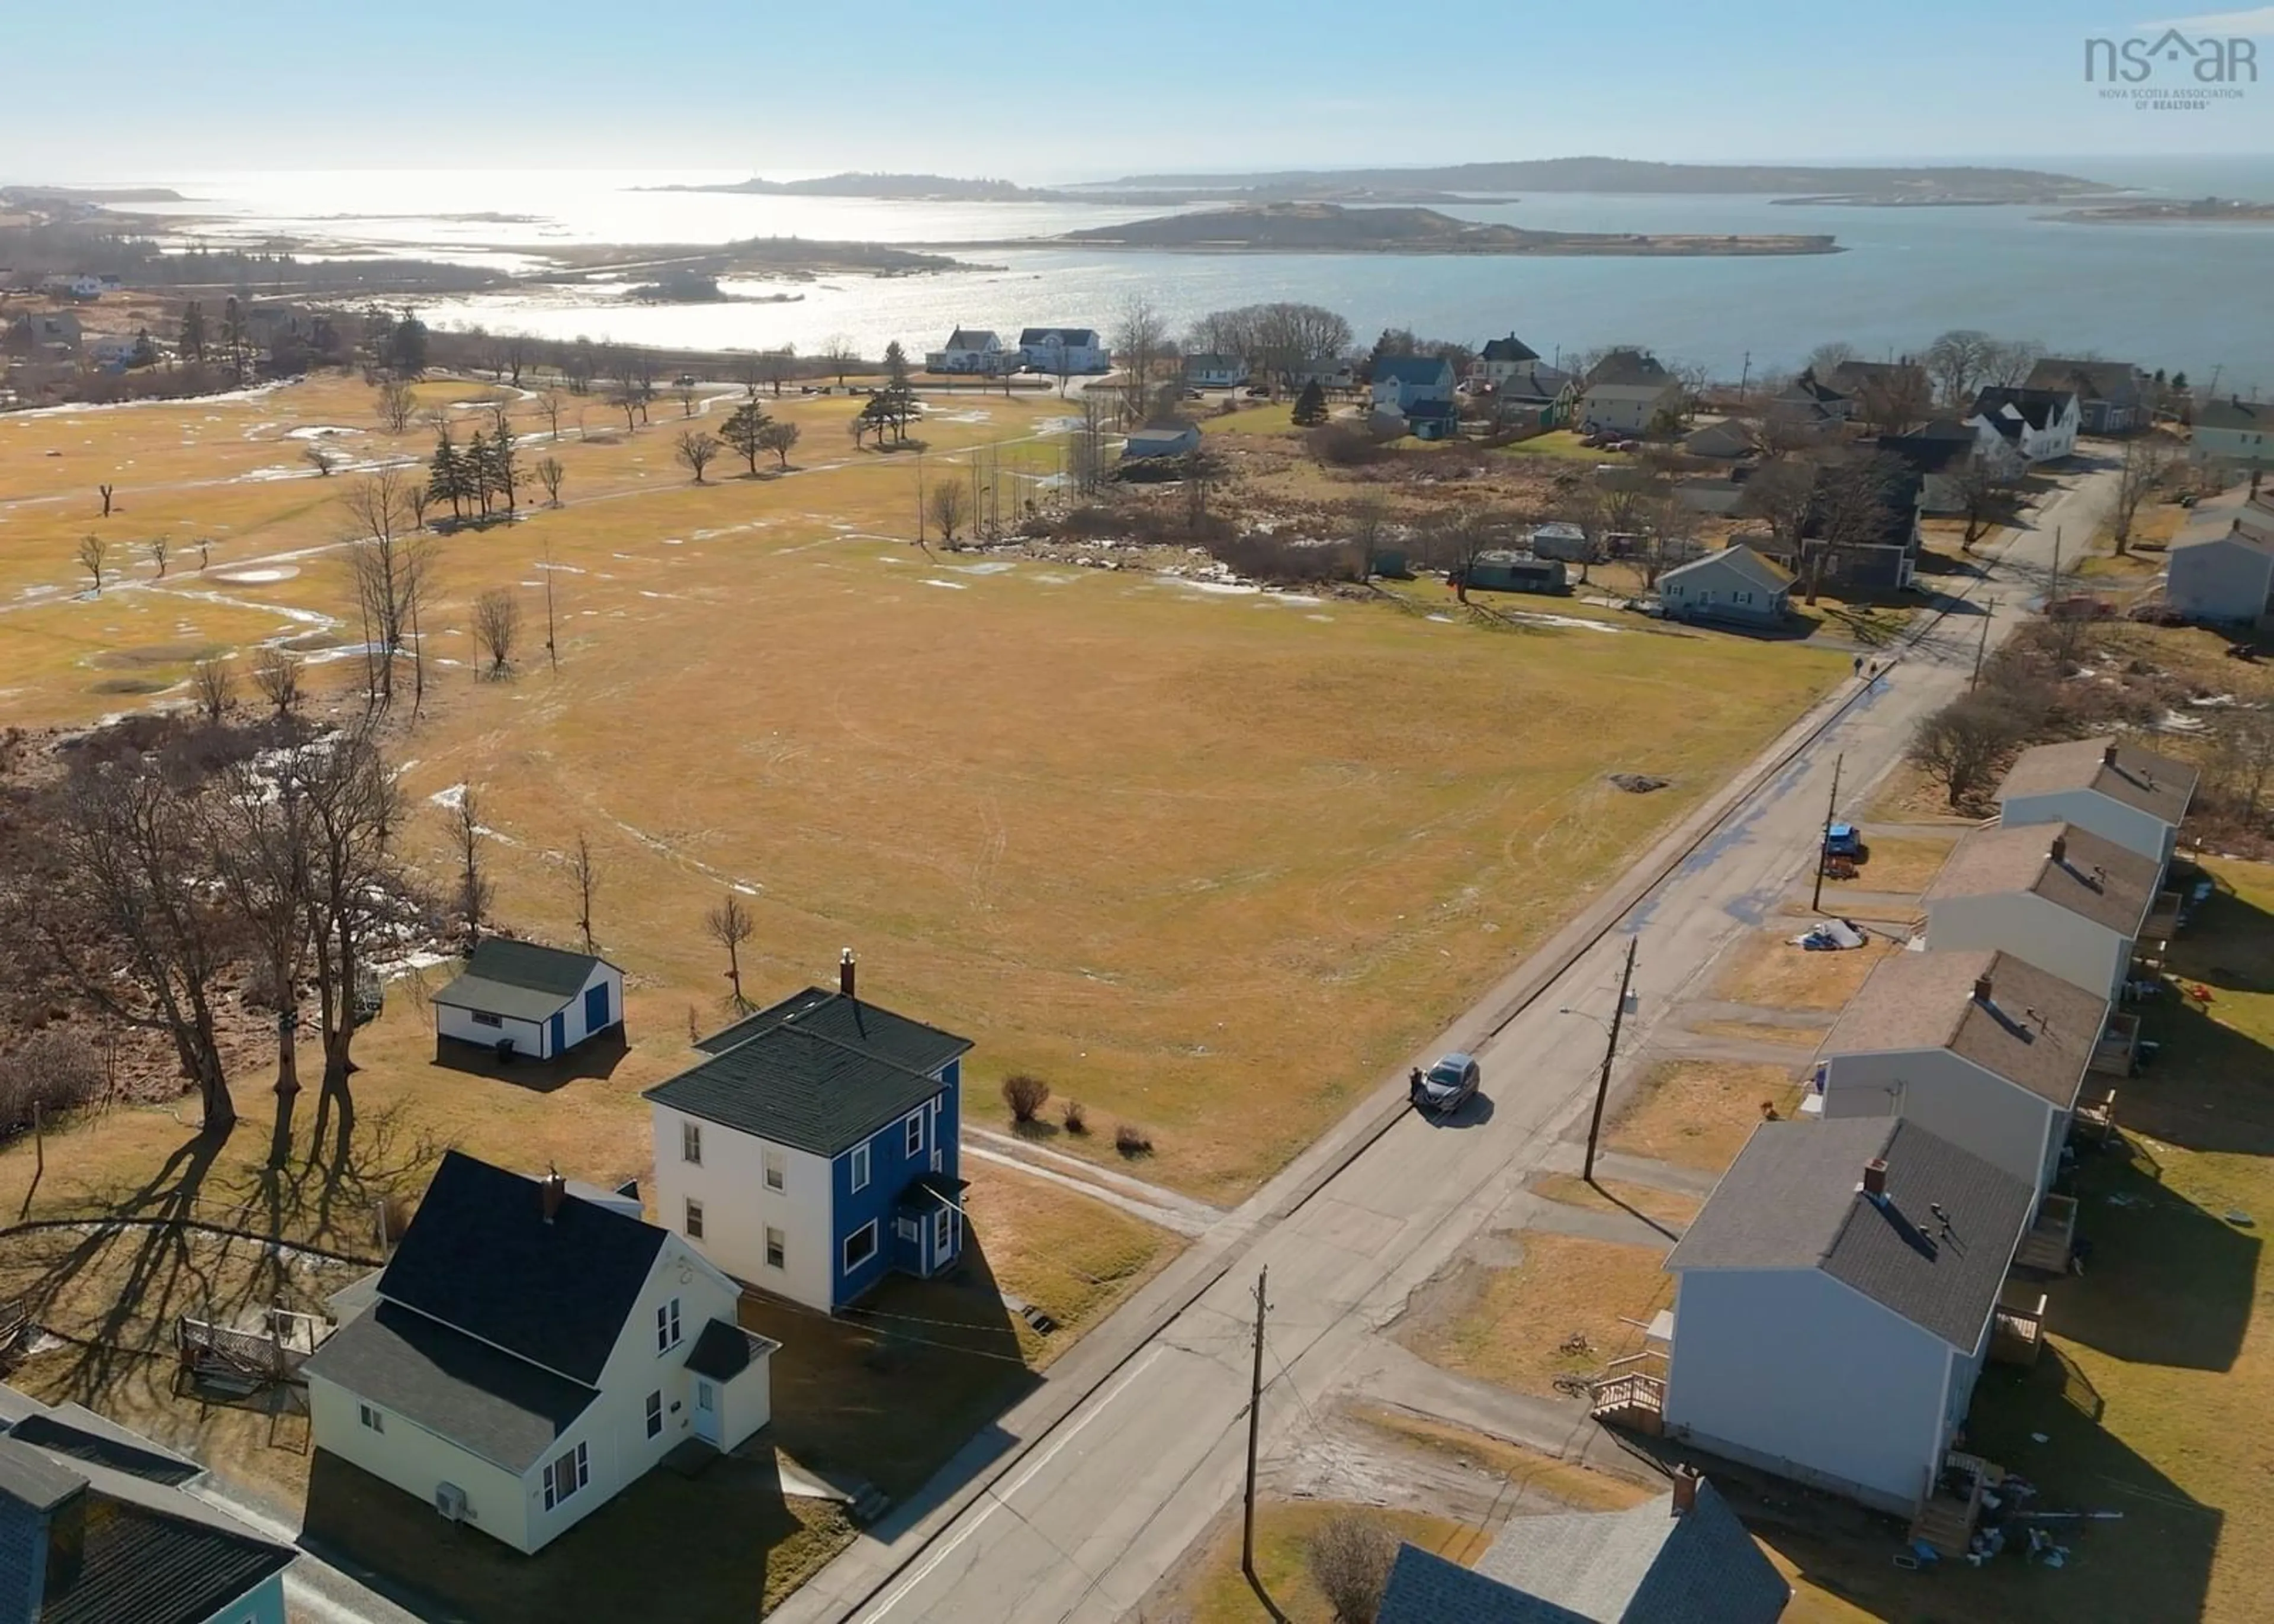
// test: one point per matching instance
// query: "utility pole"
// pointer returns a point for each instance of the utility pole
(1982, 649)
(1611, 1053)
(1831, 810)
(920, 513)
(1745, 378)
(1254, 1421)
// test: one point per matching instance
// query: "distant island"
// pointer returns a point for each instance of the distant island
(2194, 211)
(951, 189)
(32, 197)
(1327, 228)
(1846, 184)
(688, 272)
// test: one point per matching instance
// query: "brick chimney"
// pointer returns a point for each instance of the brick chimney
(1875, 1178)
(2060, 852)
(845, 969)
(552, 1190)
(1981, 989)
(1685, 1492)
(2108, 755)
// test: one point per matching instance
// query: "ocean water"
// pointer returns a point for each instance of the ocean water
(2188, 298)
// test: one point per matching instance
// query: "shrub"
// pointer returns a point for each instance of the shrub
(1025, 1096)
(53, 1069)
(1076, 1123)
(1344, 444)
(1350, 1559)
(1131, 1140)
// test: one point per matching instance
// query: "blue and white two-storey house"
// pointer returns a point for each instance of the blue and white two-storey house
(815, 1151)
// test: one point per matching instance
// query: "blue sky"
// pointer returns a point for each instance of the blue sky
(152, 89)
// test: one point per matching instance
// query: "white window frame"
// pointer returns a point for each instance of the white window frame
(777, 1248)
(372, 1416)
(943, 1232)
(776, 1169)
(666, 1325)
(857, 1167)
(690, 1143)
(913, 1129)
(655, 1413)
(560, 1483)
(846, 1262)
(693, 1223)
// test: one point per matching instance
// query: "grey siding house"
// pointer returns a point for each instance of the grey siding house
(1834, 1304)
(2221, 568)
(2106, 785)
(2234, 430)
(2111, 396)
(2055, 895)
(1737, 585)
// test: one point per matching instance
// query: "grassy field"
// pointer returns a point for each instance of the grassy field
(1768, 970)
(1895, 863)
(1513, 1325)
(1147, 841)
(1699, 1113)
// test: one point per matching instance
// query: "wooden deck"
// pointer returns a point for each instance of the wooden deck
(1945, 1521)
(248, 1356)
(2046, 1246)
(1635, 1401)
(2017, 1325)
(2118, 1047)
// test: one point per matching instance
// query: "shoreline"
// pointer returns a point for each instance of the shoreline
(1592, 247)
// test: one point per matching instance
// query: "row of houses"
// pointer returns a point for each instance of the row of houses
(1058, 352)
(535, 1345)
(1848, 1278)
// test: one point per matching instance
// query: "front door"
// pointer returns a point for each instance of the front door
(560, 1033)
(943, 1236)
(595, 1008)
(706, 1411)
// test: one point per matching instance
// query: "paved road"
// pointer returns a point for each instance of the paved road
(1136, 1441)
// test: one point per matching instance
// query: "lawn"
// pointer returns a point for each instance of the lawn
(1898, 863)
(1699, 1113)
(1218, 1593)
(1513, 1325)
(1768, 970)
(1611, 1195)
(1562, 443)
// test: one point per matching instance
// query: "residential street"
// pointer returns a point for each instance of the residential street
(1135, 1441)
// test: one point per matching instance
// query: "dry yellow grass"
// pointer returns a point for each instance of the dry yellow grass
(1512, 1325)
(1218, 1593)
(1897, 863)
(1532, 1474)
(1766, 969)
(1614, 1196)
(1699, 1113)
(1146, 841)
(1802, 1038)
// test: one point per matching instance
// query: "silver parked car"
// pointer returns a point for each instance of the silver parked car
(1449, 1085)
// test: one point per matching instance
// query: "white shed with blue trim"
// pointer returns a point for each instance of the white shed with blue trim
(542, 1001)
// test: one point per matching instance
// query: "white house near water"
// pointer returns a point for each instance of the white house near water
(971, 350)
(1064, 352)
(816, 1150)
(2054, 895)
(2108, 786)
(530, 1353)
(518, 999)
(1835, 1301)
(2034, 426)
(2234, 430)
(1977, 1047)
(1215, 372)
(2221, 567)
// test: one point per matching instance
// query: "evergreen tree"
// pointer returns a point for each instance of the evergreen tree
(743, 433)
(446, 477)
(1310, 406)
(146, 353)
(406, 343)
(896, 365)
(479, 477)
(194, 331)
(234, 338)
(503, 470)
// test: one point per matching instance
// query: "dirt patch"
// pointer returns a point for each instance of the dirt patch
(128, 685)
(1560, 1310)
(1699, 1113)
(156, 654)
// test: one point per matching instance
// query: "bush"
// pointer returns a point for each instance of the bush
(55, 1071)
(1283, 562)
(1131, 1140)
(1077, 1123)
(1025, 1096)
(1344, 444)
(1350, 1559)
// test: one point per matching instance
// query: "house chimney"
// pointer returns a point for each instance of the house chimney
(552, 1190)
(2060, 852)
(845, 968)
(1981, 989)
(1875, 1178)
(2108, 755)
(1685, 1492)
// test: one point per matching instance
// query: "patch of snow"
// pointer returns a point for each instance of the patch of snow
(953, 586)
(448, 799)
(993, 567)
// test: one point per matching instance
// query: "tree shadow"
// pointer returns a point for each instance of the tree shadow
(594, 1060)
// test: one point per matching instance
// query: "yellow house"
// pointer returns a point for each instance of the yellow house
(530, 1351)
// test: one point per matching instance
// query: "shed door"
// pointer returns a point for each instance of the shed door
(559, 1032)
(596, 1007)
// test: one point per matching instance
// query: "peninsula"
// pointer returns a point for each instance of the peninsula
(1327, 228)
(2192, 211)
(951, 189)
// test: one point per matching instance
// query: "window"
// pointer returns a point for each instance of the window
(695, 1220)
(773, 1170)
(943, 1233)
(667, 1327)
(655, 1415)
(565, 1476)
(775, 1247)
(370, 1417)
(859, 1166)
(483, 1017)
(691, 1142)
(910, 1228)
(861, 1245)
(913, 1128)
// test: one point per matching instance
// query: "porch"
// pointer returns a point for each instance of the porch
(2017, 1325)
(2118, 1050)
(1633, 1401)
(2046, 1247)
(1951, 1508)
(2164, 917)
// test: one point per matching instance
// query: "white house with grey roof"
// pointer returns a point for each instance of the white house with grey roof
(2108, 786)
(2055, 895)
(2233, 431)
(2221, 565)
(527, 1354)
(1736, 586)
(1064, 352)
(1834, 1304)
(99, 1525)
(1629, 408)
(1683, 1556)
(1978, 1048)
(521, 1000)
(815, 1150)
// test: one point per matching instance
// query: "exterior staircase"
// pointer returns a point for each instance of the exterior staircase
(1633, 1401)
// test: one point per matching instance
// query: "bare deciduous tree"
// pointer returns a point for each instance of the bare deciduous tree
(259, 843)
(474, 889)
(2146, 461)
(391, 567)
(106, 491)
(1349, 1559)
(1985, 489)
(92, 552)
(730, 925)
(277, 675)
(157, 547)
(1956, 361)
(1960, 745)
(585, 871)
(684, 392)
(695, 451)
(550, 474)
(497, 627)
(1137, 337)
(549, 407)
(1826, 359)
(397, 405)
(213, 681)
(782, 439)
(947, 504)
(839, 355)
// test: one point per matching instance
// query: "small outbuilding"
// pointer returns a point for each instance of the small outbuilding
(521, 999)
(1501, 571)
(1164, 440)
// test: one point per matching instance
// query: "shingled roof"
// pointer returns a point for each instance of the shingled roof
(2159, 786)
(799, 1086)
(2098, 880)
(2035, 1031)
(525, 980)
(1794, 1200)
